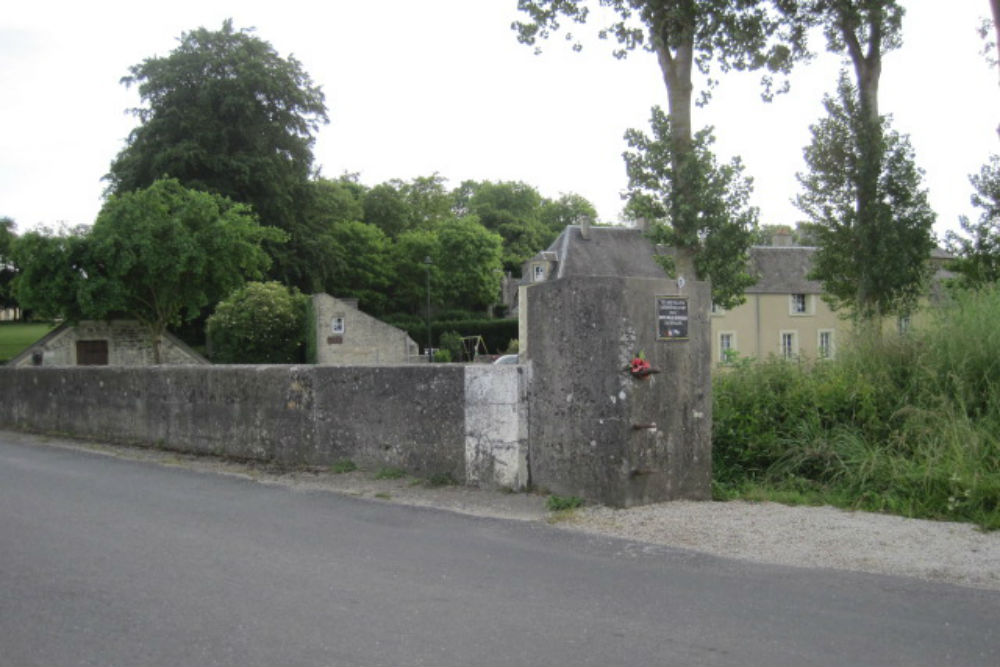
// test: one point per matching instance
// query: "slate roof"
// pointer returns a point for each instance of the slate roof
(782, 270)
(610, 251)
(625, 251)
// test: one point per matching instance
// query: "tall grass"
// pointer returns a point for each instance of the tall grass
(903, 424)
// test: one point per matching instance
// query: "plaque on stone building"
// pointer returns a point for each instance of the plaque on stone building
(671, 318)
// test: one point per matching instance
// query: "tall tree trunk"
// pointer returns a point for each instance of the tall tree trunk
(867, 61)
(995, 8)
(676, 65)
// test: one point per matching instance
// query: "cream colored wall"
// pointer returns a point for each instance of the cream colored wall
(758, 323)
(365, 340)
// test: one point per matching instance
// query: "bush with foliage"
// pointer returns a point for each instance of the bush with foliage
(908, 425)
(261, 323)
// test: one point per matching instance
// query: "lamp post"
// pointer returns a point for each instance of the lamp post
(427, 265)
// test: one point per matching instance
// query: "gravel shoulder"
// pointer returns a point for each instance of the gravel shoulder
(818, 537)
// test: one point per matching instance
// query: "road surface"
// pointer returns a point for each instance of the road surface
(105, 561)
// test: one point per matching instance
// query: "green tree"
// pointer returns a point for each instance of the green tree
(407, 254)
(874, 261)
(7, 268)
(684, 35)
(224, 113)
(721, 224)
(158, 255)
(568, 209)
(364, 269)
(51, 268)
(260, 323)
(978, 249)
(469, 264)
(513, 210)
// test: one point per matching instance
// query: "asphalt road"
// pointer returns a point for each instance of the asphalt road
(106, 561)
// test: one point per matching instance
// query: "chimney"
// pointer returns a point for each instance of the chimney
(782, 238)
(585, 228)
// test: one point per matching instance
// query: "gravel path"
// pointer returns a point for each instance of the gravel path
(822, 537)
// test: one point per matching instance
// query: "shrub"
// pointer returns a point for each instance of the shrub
(909, 425)
(261, 323)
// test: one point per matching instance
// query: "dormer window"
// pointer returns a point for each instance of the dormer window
(538, 274)
(799, 304)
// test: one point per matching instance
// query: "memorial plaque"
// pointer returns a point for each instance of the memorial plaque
(671, 318)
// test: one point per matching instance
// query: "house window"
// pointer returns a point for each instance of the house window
(903, 324)
(337, 326)
(799, 304)
(824, 344)
(539, 274)
(727, 346)
(717, 309)
(789, 345)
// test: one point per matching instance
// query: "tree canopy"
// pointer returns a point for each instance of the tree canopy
(872, 260)
(158, 255)
(686, 35)
(721, 224)
(224, 113)
(978, 248)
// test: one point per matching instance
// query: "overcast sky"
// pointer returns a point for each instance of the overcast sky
(443, 86)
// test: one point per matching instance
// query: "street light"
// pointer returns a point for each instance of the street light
(427, 265)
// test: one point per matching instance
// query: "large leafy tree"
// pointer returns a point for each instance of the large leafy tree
(224, 113)
(686, 36)
(723, 221)
(469, 259)
(364, 270)
(512, 210)
(159, 255)
(978, 248)
(873, 260)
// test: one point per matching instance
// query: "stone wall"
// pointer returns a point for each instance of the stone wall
(597, 431)
(346, 336)
(426, 419)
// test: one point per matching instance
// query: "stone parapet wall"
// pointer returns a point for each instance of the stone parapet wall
(428, 420)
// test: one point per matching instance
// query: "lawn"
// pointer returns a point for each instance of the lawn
(15, 336)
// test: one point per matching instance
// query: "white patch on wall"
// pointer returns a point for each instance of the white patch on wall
(496, 426)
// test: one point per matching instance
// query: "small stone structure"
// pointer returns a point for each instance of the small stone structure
(347, 336)
(594, 302)
(98, 343)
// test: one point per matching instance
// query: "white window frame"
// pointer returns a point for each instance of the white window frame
(793, 301)
(831, 349)
(721, 348)
(792, 351)
(717, 310)
(538, 273)
(337, 325)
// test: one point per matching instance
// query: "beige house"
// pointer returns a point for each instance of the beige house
(98, 343)
(345, 335)
(784, 314)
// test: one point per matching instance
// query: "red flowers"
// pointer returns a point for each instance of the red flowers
(639, 366)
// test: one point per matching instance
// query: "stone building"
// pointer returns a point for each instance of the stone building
(345, 335)
(98, 343)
